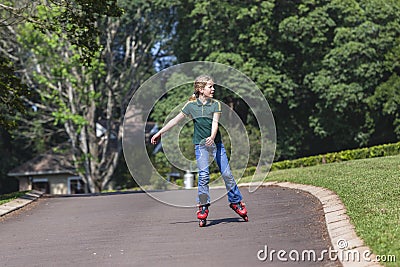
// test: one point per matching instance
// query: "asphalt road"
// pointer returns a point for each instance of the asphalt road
(133, 229)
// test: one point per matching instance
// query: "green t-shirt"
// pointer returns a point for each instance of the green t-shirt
(202, 115)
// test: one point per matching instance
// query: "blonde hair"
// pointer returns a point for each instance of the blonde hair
(200, 82)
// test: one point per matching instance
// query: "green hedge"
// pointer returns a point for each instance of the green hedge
(361, 153)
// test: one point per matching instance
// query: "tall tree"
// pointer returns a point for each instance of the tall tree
(358, 67)
(12, 89)
(77, 20)
(89, 101)
(327, 68)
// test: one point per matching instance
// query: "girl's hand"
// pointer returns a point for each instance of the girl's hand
(167, 127)
(209, 141)
(155, 138)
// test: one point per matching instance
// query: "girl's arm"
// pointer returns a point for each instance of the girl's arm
(167, 127)
(214, 129)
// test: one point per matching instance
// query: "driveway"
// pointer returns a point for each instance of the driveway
(133, 229)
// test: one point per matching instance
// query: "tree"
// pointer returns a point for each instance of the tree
(12, 90)
(89, 101)
(11, 93)
(354, 72)
(322, 65)
(77, 20)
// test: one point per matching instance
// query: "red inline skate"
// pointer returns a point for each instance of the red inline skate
(240, 208)
(202, 214)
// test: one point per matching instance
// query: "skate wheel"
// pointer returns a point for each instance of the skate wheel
(202, 223)
(246, 218)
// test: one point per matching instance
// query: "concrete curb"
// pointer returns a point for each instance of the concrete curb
(342, 233)
(19, 202)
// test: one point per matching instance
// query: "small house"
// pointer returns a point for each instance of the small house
(51, 173)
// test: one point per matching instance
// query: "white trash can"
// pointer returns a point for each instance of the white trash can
(188, 179)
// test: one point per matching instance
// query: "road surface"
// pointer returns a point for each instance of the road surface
(133, 229)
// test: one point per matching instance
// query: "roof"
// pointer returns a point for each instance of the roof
(55, 161)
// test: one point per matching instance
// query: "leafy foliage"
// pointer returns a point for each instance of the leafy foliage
(345, 155)
(327, 68)
(12, 91)
(78, 20)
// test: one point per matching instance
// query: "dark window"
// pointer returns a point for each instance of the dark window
(41, 186)
(77, 186)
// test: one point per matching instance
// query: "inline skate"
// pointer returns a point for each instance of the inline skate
(202, 214)
(240, 208)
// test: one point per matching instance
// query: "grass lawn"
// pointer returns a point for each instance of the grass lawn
(8, 197)
(370, 190)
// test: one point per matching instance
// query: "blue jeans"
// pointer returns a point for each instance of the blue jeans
(218, 152)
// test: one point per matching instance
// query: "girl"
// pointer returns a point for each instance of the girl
(205, 112)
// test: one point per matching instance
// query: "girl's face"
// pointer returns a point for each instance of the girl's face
(208, 90)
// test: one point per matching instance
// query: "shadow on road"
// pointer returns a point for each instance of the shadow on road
(214, 222)
(224, 221)
(97, 194)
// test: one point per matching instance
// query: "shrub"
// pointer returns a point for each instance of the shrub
(345, 155)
